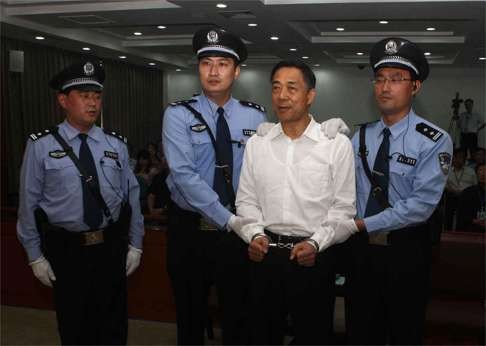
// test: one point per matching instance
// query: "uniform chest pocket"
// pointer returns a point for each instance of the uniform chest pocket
(61, 174)
(111, 172)
(401, 170)
(202, 145)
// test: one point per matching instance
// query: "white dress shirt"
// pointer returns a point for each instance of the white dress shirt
(470, 122)
(459, 179)
(299, 187)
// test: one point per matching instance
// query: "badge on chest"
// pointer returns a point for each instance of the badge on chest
(407, 160)
(57, 154)
(111, 154)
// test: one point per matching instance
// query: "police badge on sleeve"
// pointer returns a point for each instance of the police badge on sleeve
(445, 162)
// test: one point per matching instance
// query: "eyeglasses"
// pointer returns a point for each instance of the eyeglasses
(393, 80)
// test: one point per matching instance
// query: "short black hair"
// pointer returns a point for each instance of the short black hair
(469, 100)
(309, 76)
(478, 166)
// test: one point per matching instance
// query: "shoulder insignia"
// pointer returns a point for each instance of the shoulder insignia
(178, 103)
(253, 105)
(35, 136)
(428, 131)
(116, 135)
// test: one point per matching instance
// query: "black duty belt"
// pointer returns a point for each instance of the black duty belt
(283, 241)
(84, 238)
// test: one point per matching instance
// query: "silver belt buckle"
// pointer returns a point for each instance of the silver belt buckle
(93, 238)
(378, 238)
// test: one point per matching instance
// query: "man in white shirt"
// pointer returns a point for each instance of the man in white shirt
(300, 187)
(470, 123)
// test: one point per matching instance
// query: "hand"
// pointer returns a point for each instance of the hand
(305, 254)
(333, 126)
(264, 128)
(258, 248)
(344, 230)
(43, 271)
(236, 223)
(133, 259)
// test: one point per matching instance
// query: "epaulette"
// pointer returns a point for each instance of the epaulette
(366, 123)
(116, 135)
(428, 131)
(178, 103)
(37, 135)
(253, 105)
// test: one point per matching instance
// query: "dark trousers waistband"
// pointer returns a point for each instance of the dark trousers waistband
(86, 238)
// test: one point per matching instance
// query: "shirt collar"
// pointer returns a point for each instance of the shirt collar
(397, 129)
(312, 131)
(71, 132)
(213, 107)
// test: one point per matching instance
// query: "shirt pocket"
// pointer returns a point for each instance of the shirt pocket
(314, 178)
(110, 174)
(61, 176)
(202, 145)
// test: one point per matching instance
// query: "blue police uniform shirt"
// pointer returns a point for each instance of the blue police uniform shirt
(419, 168)
(190, 153)
(50, 180)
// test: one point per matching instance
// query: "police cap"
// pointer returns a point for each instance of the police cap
(400, 53)
(86, 75)
(216, 41)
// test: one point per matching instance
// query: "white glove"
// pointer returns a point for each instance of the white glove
(133, 259)
(333, 126)
(264, 128)
(43, 271)
(344, 230)
(236, 223)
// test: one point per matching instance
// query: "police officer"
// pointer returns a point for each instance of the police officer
(74, 223)
(402, 163)
(204, 139)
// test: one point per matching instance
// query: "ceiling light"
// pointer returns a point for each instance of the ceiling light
(339, 29)
(40, 38)
(427, 53)
(482, 58)
(317, 65)
(86, 48)
(383, 22)
(178, 70)
(275, 38)
(305, 57)
(360, 53)
(221, 5)
(161, 27)
(252, 24)
(122, 57)
(430, 29)
(151, 63)
(293, 49)
(244, 65)
(137, 33)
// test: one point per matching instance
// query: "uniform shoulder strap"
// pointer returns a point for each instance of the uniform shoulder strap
(37, 135)
(253, 105)
(116, 135)
(428, 131)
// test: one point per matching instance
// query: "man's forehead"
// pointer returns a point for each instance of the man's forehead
(392, 71)
(216, 58)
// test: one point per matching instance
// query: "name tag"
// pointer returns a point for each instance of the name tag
(248, 132)
(57, 154)
(111, 155)
(198, 128)
(407, 160)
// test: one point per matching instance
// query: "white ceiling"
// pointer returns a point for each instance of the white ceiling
(107, 27)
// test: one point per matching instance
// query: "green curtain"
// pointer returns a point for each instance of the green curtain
(132, 106)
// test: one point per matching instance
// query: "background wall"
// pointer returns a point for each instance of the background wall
(347, 92)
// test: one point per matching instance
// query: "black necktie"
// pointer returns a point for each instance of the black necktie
(92, 211)
(223, 173)
(381, 172)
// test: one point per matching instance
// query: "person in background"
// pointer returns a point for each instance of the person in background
(471, 212)
(158, 194)
(76, 226)
(460, 178)
(470, 123)
(154, 154)
(299, 186)
(478, 158)
(402, 165)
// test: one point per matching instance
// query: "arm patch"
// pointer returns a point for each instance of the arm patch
(253, 105)
(428, 131)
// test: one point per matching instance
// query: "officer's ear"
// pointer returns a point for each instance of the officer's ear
(416, 86)
(237, 71)
(62, 98)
